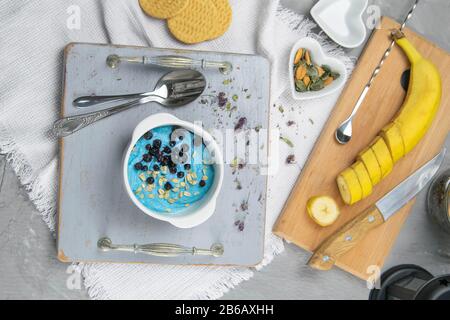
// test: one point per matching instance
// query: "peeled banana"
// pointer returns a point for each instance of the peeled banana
(400, 136)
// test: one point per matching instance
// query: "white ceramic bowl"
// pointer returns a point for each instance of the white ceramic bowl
(318, 57)
(198, 212)
(342, 20)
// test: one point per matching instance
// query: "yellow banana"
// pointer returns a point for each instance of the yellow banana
(423, 97)
(409, 126)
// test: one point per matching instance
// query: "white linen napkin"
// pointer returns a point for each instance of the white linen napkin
(32, 36)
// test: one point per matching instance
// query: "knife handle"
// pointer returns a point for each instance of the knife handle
(345, 239)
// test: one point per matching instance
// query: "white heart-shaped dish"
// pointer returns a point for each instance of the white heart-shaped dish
(318, 57)
(342, 20)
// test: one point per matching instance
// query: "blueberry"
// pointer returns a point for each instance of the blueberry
(168, 186)
(157, 143)
(167, 150)
(156, 167)
(172, 164)
(187, 166)
(165, 160)
(172, 144)
(138, 166)
(144, 168)
(173, 170)
(153, 151)
(148, 135)
(150, 180)
(147, 158)
(180, 175)
(148, 147)
(202, 183)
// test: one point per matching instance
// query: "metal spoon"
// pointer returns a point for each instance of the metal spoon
(174, 89)
(344, 132)
(185, 86)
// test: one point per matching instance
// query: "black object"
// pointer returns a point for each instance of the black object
(411, 282)
(404, 80)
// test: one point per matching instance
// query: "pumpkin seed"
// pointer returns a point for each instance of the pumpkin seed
(300, 72)
(300, 86)
(318, 85)
(312, 72)
(298, 56)
(328, 81)
(306, 80)
(334, 75)
(307, 57)
(320, 71)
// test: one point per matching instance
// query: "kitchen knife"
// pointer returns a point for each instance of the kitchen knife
(351, 233)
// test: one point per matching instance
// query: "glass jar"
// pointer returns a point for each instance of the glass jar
(438, 200)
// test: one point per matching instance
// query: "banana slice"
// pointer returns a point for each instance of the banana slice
(368, 158)
(383, 156)
(349, 186)
(363, 178)
(392, 136)
(323, 210)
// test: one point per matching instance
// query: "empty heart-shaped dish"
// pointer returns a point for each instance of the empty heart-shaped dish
(318, 58)
(342, 20)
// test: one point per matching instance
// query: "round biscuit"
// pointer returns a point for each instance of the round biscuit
(163, 9)
(223, 19)
(196, 23)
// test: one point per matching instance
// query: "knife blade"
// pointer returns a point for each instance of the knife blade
(351, 233)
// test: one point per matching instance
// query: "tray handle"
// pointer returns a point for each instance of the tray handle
(160, 249)
(175, 62)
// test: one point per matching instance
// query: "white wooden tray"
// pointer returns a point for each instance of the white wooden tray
(92, 200)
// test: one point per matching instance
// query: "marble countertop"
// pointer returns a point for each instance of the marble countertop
(29, 268)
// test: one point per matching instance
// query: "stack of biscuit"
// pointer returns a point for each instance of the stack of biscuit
(191, 21)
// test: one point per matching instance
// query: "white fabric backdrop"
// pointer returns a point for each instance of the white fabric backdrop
(32, 36)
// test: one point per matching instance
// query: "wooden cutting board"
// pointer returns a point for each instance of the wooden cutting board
(328, 158)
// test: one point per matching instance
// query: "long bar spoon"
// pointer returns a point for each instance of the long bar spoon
(344, 132)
